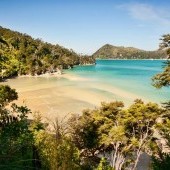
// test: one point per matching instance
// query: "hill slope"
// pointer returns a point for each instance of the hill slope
(110, 51)
(21, 54)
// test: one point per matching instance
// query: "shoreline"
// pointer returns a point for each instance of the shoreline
(61, 74)
(53, 98)
(55, 94)
(131, 59)
(55, 74)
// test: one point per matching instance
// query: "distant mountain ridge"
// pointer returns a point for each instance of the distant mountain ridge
(119, 52)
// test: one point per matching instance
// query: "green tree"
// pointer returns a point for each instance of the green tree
(57, 151)
(165, 42)
(103, 165)
(7, 95)
(162, 160)
(84, 135)
(31, 144)
(141, 123)
(21, 54)
(163, 79)
(17, 149)
(117, 133)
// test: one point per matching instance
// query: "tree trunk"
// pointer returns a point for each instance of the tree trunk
(137, 159)
(115, 155)
(119, 161)
(121, 164)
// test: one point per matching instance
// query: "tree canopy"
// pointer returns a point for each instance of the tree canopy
(120, 135)
(21, 54)
(30, 144)
(162, 160)
(108, 137)
(163, 79)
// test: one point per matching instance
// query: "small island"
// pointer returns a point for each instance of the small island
(119, 52)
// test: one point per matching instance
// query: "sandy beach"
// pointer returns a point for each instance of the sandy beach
(46, 94)
(56, 95)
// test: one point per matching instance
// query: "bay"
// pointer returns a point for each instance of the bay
(133, 76)
(87, 86)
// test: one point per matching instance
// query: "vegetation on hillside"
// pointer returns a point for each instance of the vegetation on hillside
(110, 51)
(20, 54)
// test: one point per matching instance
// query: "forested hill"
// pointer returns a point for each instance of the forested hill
(115, 52)
(21, 54)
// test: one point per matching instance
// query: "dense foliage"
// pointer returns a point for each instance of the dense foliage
(30, 144)
(109, 137)
(163, 79)
(109, 51)
(20, 54)
(120, 135)
(16, 139)
(162, 161)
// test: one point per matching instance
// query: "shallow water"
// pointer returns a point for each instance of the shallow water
(86, 86)
(132, 76)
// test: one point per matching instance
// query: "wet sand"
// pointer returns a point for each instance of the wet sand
(59, 95)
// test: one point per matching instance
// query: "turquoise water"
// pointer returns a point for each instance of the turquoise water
(87, 86)
(132, 76)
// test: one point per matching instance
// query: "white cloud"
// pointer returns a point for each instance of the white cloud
(146, 12)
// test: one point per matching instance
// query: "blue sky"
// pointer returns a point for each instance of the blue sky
(86, 25)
